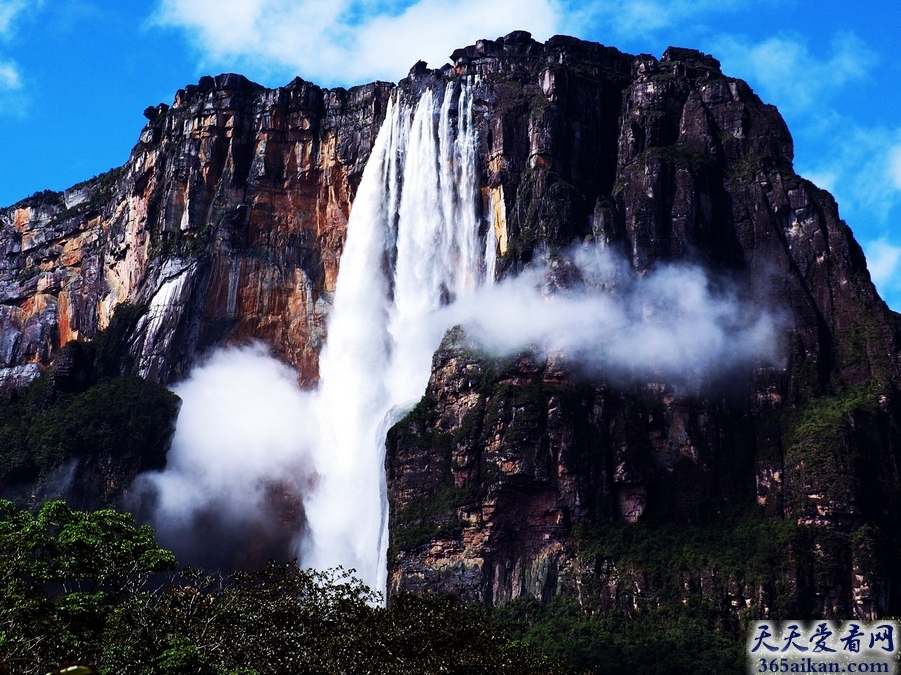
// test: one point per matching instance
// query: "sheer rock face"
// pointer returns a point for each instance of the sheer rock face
(227, 223)
(503, 464)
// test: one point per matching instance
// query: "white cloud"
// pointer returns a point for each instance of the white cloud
(9, 9)
(861, 166)
(884, 263)
(894, 161)
(349, 41)
(883, 258)
(788, 74)
(9, 76)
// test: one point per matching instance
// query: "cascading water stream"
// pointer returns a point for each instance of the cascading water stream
(413, 245)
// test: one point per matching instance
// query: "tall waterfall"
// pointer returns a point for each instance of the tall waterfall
(413, 244)
(415, 248)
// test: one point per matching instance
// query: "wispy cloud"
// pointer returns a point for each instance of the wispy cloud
(884, 263)
(9, 76)
(348, 41)
(884, 260)
(9, 10)
(631, 19)
(861, 166)
(894, 162)
(786, 73)
(10, 73)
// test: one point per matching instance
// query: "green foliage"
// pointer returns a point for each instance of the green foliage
(123, 418)
(74, 587)
(667, 640)
(655, 603)
(817, 441)
(745, 169)
(680, 155)
(861, 349)
(180, 244)
(125, 422)
(424, 520)
(40, 199)
(88, 415)
(111, 344)
(28, 273)
(545, 203)
(752, 550)
(101, 186)
(102, 182)
(435, 634)
(61, 574)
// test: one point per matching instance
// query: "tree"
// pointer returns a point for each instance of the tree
(77, 588)
(61, 572)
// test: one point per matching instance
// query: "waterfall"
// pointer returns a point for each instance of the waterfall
(418, 258)
(414, 243)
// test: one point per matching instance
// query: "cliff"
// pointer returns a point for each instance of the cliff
(227, 223)
(503, 474)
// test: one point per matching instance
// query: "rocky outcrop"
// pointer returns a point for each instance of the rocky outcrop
(503, 468)
(227, 223)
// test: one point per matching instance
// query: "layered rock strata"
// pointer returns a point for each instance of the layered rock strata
(226, 223)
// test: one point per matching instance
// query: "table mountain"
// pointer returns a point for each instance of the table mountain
(522, 476)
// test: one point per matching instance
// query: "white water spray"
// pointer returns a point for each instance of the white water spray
(413, 245)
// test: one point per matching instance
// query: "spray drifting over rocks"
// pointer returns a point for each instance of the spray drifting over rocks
(418, 260)
(588, 307)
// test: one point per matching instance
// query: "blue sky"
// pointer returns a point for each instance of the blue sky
(76, 75)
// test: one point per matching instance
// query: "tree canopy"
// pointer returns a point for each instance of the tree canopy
(94, 591)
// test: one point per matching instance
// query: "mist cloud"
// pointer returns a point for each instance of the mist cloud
(239, 456)
(672, 322)
(248, 438)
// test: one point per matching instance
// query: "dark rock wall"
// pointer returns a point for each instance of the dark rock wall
(504, 466)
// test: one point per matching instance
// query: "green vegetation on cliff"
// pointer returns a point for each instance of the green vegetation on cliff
(667, 599)
(87, 418)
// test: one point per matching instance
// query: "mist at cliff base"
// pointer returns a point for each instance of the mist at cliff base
(245, 426)
(239, 460)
